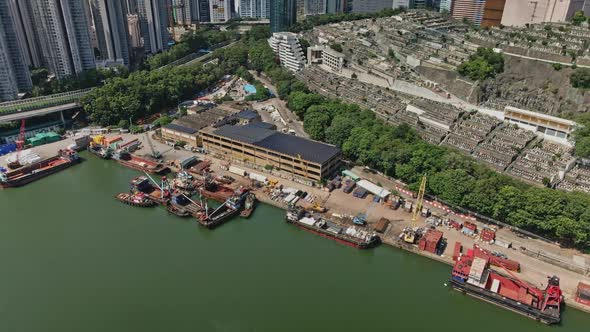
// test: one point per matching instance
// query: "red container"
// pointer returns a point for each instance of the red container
(470, 226)
(583, 294)
(487, 235)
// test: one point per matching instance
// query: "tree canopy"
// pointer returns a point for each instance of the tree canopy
(485, 63)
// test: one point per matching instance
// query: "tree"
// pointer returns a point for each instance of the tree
(485, 63)
(578, 18)
(580, 78)
(317, 119)
(557, 66)
(336, 47)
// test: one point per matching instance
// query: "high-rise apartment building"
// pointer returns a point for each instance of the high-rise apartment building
(255, 8)
(315, 7)
(492, 13)
(181, 11)
(283, 14)
(220, 10)
(287, 47)
(300, 10)
(369, 6)
(110, 24)
(521, 12)
(336, 6)
(21, 13)
(63, 30)
(446, 6)
(153, 23)
(200, 11)
(471, 10)
(14, 74)
(134, 30)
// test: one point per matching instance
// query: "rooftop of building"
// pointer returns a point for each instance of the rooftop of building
(180, 128)
(203, 118)
(287, 144)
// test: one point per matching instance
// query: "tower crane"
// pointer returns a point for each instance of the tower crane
(410, 235)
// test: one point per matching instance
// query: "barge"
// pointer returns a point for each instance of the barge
(138, 199)
(472, 276)
(230, 208)
(141, 164)
(29, 173)
(182, 206)
(349, 235)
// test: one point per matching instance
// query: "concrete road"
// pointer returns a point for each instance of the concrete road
(281, 106)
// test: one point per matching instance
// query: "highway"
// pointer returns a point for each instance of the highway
(40, 112)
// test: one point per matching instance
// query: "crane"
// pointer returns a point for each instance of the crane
(410, 236)
(155, 154)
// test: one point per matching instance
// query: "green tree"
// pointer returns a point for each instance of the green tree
(578, 18)
(317, 119)
(580, 78)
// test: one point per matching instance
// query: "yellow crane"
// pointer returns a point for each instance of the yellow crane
(410, 236)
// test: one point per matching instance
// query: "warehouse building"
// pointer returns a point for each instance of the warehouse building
(304, 159)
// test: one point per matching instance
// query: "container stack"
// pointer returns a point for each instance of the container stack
(430, 241)
(457, 251)
(487, 235)
(43, 138)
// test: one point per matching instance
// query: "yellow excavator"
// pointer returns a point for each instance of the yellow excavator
(410, 234)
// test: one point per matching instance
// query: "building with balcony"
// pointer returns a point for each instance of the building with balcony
(287, 47)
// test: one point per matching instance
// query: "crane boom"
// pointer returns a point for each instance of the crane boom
(419, 200)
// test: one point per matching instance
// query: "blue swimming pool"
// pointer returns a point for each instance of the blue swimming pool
(249, 88)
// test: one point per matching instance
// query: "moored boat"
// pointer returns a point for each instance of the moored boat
(137, 199)
(29, 173)
(230, 208)
(144, 185)
(349, 235)
(248, 206)
(178, 210)
(472, 275)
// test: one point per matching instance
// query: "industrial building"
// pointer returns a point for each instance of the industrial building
(304, 159)
(187, 128)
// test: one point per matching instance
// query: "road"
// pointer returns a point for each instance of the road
(40, 112)
(281, 105)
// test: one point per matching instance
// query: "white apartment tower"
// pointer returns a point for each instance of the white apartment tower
(255, 8)
(63, 30)
(287, 46)
(134, 31)
(153, 23)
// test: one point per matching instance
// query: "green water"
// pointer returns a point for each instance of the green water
(74, 259)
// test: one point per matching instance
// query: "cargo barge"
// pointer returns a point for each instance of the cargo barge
(349, 235)
(38, 170)
(230, 208)
(217, 193)
(141, 164)
(471, 275)
(180, 205)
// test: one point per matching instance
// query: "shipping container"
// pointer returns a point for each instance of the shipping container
(503, 243)
(408, 206)
(382, 225)
(237, 171)
(457, 251)
(258, 177)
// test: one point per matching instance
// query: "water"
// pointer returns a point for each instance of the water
(77, 260)
(249, 89)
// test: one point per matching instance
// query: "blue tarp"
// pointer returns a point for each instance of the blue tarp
(7, 148)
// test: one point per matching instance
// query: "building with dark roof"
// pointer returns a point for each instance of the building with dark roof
(260, 147)
(187, 128)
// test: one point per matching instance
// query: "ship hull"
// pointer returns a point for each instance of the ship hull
(37, 176)
(123, 198)
(514, 306)
(345, 241)
(212, 223)
(137, 167)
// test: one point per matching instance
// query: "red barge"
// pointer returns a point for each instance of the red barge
(38, 170)
(472, 276)
(142, 164)
(349, 235)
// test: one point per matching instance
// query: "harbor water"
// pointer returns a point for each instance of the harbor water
(75, 259)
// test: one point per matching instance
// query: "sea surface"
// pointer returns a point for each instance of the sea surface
(74, 259)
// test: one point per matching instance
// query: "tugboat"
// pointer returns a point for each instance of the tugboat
(138, 199)
(29, 173)
(472, 276)
(349, 235)
(225, 211)
(248, 206)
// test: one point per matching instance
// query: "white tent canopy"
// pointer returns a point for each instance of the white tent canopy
(373, 188)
